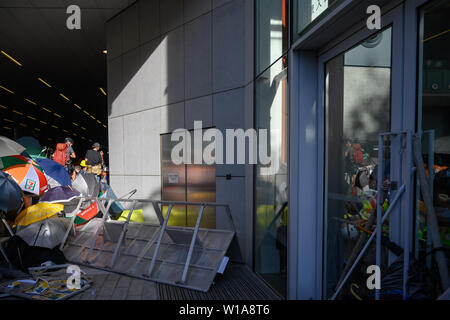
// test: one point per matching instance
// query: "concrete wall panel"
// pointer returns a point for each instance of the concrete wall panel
(115, 132)
(198, 57)
(194, 8)
(149, 24)
(199, 110)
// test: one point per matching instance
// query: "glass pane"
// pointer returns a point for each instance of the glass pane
(271, 180)
(435, 101)
(271, 32)
(358, 91)
(307, 11)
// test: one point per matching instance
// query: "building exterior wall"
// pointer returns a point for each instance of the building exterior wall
(170, 63)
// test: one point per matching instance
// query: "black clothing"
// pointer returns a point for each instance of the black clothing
(93, 158)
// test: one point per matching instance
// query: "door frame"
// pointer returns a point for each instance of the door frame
(307, 140)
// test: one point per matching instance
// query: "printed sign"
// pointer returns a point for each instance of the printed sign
(317, 7)
(173, 177)
(30, 184)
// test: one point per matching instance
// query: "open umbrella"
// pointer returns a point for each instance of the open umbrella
(9, 147)
(56, 174)
(108, 192)
(32, 147)
(28, 175)
(10, 194)
(37, 213)
(87, 185)
(46, 233)
(60, 195)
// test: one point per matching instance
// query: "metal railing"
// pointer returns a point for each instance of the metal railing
(163, 224)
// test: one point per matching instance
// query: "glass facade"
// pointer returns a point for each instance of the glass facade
(434, 119)
(271, 114)
(358, 109)
(305, 12)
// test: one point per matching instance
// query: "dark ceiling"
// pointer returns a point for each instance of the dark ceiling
(72, 62)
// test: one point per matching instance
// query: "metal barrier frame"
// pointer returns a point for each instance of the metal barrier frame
(163, 223)
(406, 216)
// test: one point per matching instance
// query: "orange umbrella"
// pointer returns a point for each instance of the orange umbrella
(28, 175)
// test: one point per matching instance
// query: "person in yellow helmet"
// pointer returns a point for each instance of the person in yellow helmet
(82, 168)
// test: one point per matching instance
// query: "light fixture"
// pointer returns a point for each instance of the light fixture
(43, 122)
(99, 121)
(75, 124)
(64, 97)
(44, 82)
(6, 89)
(7, 120)
(30, 117)
(105, 51)
(57, 115)
(23, 125)
(11, 58)
(93, 117)
(103, 91)
(86, 112)
(77, 106)
(75, 134)
(7, 128)
(3, 107)
(54, 126)
(32, 102)
(104, 126)
(83, 128)
(37, 129)
(47, 109)
(15, 111)
(65, 131)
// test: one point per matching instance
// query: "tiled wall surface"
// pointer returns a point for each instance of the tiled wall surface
(170, 63)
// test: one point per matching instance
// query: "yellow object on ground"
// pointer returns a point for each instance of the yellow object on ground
(137, 216)
(37, 213)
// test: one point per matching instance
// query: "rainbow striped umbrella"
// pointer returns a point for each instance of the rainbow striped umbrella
(27, 173)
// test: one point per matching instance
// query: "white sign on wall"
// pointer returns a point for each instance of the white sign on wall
(173, 178)
(317, 7)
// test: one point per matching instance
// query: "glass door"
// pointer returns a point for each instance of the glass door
(357, 109)
(434, 119)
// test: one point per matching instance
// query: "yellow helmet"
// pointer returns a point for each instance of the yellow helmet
(83, 163)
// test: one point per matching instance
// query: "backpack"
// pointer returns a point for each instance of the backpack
(60, 155)
(357, 154)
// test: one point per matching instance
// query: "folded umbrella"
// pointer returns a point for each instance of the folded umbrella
(37, 213)
(59, 195)
(56, 174)
(27, 173)
(47, 233)
(9, 147)
(10, 194)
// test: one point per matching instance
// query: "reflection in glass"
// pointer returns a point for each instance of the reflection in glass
(358, 91)
(270, 32)
(187, 182)
(434, 98)
(271, 208)
(307, 11)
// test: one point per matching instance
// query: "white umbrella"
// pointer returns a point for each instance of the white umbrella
(9, 147)
(47, 233)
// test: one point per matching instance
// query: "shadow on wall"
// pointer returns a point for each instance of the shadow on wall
(148, 82)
